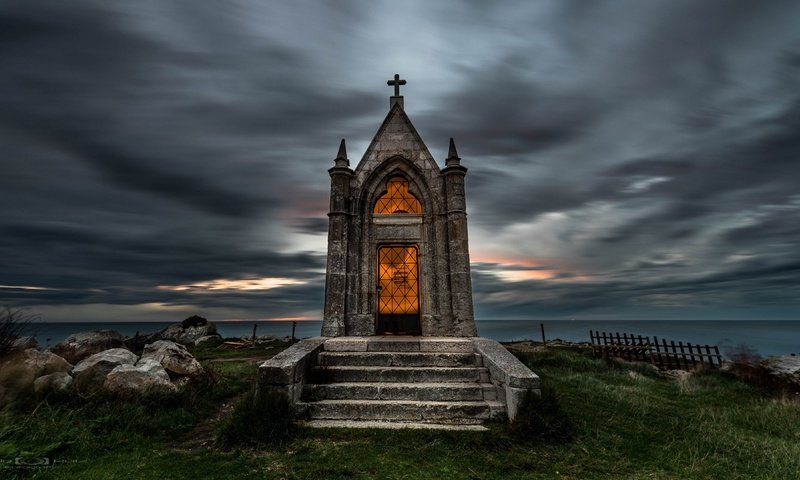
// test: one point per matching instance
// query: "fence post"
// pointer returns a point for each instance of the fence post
(544, 341)
(666, 350)
(691, 355)
(653, 354)
(683, 356)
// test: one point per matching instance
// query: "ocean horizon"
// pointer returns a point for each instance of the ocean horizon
(764, 337)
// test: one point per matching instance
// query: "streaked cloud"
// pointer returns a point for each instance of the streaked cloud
(223, 284)
(626, 159)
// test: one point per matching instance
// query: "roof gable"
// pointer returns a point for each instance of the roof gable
(396, 136)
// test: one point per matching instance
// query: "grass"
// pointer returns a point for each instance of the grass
(625, 423)
(264, 350)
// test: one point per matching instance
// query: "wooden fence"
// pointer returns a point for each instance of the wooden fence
(665, 354)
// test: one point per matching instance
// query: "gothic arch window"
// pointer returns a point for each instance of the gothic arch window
(397, 199)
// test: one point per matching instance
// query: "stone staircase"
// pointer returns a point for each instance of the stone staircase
(422, 382)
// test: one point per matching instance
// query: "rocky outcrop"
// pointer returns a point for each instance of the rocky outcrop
(186, 332)
(79, 346)
(173, 357)
(147, 376)
(53, 382)
(784, 370)
(90, 373)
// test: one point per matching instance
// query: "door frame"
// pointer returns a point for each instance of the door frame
(416, 248)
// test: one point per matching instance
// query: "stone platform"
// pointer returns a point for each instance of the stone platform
(402, 381)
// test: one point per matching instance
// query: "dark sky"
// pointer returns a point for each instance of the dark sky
(626, 159)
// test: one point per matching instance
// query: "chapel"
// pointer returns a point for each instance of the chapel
(398, 347)
(398, 253)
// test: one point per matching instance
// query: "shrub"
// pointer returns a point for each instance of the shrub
(541, 418)
(12, 324)
(259, 418)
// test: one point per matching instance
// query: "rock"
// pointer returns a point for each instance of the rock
(53, 382)
(90, 373)
(676, 373)
(784, 370)
(173, 357)
(147, 376)
(24, 343)
(19, 371)
(153, 366)
(194, 321)
(79, 346)
(187, 332)
(209, 340)
(36, 362)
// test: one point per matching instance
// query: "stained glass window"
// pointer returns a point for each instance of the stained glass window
(397, 199)
(397, 270)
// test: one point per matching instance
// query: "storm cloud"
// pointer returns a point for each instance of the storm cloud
(626, 159)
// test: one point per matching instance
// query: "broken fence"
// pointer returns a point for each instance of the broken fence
(663, 353)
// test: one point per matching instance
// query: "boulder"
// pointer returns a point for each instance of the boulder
(79, 346)
(24, 343)
(43, 363)
(153, 366)
(19, 370)
(187, 331)
(147, 376)
(173, 357)
(53, 382)
(209, 340)
(784, 370)
(90, 373)
(36, 362)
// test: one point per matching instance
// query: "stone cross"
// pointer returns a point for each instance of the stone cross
(396, 84)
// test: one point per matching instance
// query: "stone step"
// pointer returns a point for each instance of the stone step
(399, 359)
(462, 413)
(393, 425)
(400, 344)
(401, 391)
(400, 374)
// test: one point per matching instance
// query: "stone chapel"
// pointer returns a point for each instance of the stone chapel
(398, 254)
(398, 345)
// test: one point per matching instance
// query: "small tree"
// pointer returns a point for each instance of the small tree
(12, 324)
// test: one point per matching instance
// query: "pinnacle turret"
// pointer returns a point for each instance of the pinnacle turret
(452, 155)
(341, 157)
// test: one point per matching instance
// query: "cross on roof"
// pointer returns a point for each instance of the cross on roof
(396, 84)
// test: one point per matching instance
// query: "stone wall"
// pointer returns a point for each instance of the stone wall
(440, 234)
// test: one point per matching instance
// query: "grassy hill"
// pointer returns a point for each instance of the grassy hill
(625, 423)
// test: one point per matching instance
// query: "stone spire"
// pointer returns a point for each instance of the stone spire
(452, 155)
(341, 157)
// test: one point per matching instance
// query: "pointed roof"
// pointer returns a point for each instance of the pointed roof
(396, 136)
(452, 155)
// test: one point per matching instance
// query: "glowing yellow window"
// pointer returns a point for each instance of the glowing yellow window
(397, 199)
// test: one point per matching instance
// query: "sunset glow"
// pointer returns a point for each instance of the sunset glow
(223, 284)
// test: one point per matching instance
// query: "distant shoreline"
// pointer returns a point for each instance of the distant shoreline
(766, 337)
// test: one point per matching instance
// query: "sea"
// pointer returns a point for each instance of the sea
(758, 337)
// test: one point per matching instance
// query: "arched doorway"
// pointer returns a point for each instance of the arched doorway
(397, 291)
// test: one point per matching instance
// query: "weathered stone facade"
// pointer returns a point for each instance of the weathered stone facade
(439, 234)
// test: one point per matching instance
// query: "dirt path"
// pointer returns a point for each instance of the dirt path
(201, 437)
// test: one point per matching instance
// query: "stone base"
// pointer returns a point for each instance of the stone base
(436, 380)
